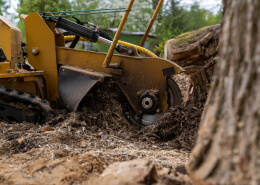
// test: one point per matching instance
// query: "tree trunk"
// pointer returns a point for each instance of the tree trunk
(227, 149)
(155, 3)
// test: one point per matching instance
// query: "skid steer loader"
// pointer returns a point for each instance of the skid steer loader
(56, 76)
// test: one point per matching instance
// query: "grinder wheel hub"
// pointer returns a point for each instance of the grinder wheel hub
(147, 103)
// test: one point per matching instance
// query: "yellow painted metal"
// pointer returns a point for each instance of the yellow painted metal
(10, 42)
(127, 44)
(100, 75)
(19, 84)
(40, 87)
(59, 38)
(23, 16)
(19, 79)
(107, 60)
(151, 23)
(40, 35)
(10, 77)
(20, 74)
(138, 73)
(4, 66)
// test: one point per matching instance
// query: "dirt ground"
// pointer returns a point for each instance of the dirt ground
(75, 148)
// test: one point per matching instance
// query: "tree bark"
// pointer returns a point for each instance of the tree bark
(200, 83)
(192, 50)
(227, 149)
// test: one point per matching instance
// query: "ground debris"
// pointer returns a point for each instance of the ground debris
(76, 148)
(174, 180)
(135, 171)
(179, 124)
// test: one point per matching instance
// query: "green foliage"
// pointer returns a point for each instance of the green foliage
(2, 3)
(84, 5)
(218, 17)
(3, 7)
(177, 20)
(28, 6)
(159, 50)
(198, 18)
(137, 21)
(40, 6)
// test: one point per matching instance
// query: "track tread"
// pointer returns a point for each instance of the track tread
(43, 106)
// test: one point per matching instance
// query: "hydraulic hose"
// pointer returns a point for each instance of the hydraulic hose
(139, 48)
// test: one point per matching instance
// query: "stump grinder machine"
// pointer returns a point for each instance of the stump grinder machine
(57, 76)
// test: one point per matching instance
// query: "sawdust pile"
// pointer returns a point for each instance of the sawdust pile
(104, 109)
(179, 124)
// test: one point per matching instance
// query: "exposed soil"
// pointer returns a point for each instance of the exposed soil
(75, 148)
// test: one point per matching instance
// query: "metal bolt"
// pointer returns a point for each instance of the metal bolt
(147, 103)
(8, 70)
(130, 51)
(35, 51)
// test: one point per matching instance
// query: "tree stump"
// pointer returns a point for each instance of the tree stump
(200, 83)
(192, 50)
(196, 52)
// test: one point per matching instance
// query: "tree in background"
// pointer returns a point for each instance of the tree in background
(84, 5)
(154, 3)
(2, 3)
(173, 20)
(198, 18)
(28, 6)
(177, 19)
(138, 19)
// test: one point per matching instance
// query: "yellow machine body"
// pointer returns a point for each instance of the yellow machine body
(133, 74)
(10, 42)
(10, 76)
(62, 73)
